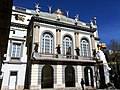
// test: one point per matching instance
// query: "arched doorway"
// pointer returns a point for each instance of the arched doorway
(88, 72)
(47, 77)
(69, 76)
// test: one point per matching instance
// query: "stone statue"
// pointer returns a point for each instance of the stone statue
(67, 13)
(36, 47)
(50, 8)
(37, 7)
(69, 53)
(58, 49)
(100, 56)
(76, 19)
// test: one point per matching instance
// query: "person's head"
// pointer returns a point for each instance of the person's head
(99, 46)
(81, 78)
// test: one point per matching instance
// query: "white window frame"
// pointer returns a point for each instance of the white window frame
(85, 51)
(47, 43)
(16, 53)
(67, 42)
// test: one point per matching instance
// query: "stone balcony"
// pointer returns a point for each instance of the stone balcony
(59, 58)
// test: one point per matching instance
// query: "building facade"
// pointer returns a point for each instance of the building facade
(49, 50)
(14, 67)
(60, 51)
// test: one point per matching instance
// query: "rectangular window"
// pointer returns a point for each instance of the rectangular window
(16, 50)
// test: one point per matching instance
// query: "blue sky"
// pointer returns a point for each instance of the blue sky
(106, 11)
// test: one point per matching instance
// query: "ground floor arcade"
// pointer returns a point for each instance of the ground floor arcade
(61, 76)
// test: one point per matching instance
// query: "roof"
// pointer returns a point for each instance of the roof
(37, 14)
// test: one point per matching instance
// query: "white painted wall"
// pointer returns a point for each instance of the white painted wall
(19, 68)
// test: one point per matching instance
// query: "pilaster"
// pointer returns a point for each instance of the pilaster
(58, 38)
(79, 72)
(77, 43)
(34, 75)
(36, 32)
(59, 77)
(93, 41)
(76, 39)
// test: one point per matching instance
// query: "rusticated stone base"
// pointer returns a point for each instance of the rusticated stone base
(18, 87)
(35, 87)
(59, 85)
(5, 88)
(78, 85)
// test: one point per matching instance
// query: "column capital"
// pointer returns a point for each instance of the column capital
(58, 30)
(92, 35)
(36, 24)
(76, 33)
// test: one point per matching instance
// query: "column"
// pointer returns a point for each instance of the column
(36, 37)
(93, 45)
(93, 41)
(77, 43)
(76, 40)
(79, 71)
(59, 77)
(58, 39)
(34, 75)
(36, 33)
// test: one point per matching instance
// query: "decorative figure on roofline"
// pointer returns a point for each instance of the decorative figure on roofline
(91, 24)
(37, 7)
(50, 8)
(67, 13)
(76, 19)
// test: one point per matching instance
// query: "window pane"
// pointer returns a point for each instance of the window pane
(67, 42)
(47, 43)
(16, 50)
(84, 48)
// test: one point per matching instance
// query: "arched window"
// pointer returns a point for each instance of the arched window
(47, 43)
(85, 48)
(67, 42)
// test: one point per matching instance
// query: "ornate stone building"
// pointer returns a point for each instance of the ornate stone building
(49, 50)
(60, 51)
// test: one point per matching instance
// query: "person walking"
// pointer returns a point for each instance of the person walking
(82, 83)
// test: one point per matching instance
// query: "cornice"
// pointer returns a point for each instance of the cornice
(63, 24)
(19, 25)
(97, 38)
